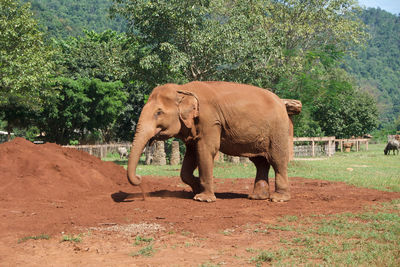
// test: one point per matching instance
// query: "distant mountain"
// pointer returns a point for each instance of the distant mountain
(377, 68)
(62, 18)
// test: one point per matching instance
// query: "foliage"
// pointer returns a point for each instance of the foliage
(377, 67)
(80, 106)
(251, 43)
(331, 105)
(93, 55)
(24, 64)
(108, 56)
(61, 19)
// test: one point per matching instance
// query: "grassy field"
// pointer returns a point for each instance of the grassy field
(371, 169)
(371, 237)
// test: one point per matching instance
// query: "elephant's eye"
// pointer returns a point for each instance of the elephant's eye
(159, 112)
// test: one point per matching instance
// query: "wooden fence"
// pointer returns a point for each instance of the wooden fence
(329, 143)
(313, 149)
(356, 142)
(100, 151)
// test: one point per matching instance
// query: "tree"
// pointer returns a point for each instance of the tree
(331, 105)
(81, 106)
(24, 63)
(245, 41)
(94, 55)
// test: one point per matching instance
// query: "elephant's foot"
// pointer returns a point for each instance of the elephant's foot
(204, 197)
(260, 192)
(280, 197)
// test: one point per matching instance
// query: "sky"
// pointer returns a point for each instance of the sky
(392, 6)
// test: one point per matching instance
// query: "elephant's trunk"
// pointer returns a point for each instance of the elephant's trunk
(142, 136)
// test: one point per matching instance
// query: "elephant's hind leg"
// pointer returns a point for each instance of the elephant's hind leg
(282, 192)
(261, 183)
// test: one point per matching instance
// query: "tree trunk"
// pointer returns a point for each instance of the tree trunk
(159, 157)
(175, 155)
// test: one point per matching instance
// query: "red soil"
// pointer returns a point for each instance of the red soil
(50, 189)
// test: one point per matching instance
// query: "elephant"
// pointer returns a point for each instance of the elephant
(236, 119)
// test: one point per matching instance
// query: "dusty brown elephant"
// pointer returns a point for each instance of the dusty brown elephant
(236, 119)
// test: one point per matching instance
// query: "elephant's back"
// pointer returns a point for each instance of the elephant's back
(242, 96)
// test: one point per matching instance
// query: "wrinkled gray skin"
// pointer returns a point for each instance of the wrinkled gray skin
(236, 119)
(393, 145)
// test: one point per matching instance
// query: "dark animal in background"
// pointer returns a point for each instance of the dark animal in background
(392, 145)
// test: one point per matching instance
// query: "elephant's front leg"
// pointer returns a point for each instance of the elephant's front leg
(189, 164)
(205, 155)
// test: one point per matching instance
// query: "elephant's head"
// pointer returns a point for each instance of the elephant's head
(168, 113)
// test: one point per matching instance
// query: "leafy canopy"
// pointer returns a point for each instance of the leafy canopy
(245, 41)
(25, 64)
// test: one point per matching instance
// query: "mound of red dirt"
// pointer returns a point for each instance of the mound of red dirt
(49, 171)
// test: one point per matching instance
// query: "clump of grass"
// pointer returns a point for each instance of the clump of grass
(140, 240)
(147, 251)
(36, 237)
(71, 238)
(263, 256)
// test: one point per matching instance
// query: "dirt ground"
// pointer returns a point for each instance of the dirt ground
(48, 189)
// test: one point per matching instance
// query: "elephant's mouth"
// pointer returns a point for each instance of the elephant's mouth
(160, 136)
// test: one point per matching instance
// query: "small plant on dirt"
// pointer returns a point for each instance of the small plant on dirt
(263, 256)
(147, 251)
(36, 237)
(140, 240)
(289, 218)
(209, 264)
(71, 238)
(227, 231)
(186, 233)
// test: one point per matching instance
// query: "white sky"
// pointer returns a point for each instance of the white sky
(392, 6)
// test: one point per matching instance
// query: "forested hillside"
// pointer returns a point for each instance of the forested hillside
(62, 18)
(377, 67)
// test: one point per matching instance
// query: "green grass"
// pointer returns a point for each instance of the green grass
(368, 238)
(147, 251)
(36, 237)
(371, 169)
(71, 238)
(140, 240)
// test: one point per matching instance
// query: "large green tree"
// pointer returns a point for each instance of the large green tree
(332, 105)
(81, 107)
(24, 63)
(246, 41)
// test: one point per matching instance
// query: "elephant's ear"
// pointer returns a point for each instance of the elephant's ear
(188, 105)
